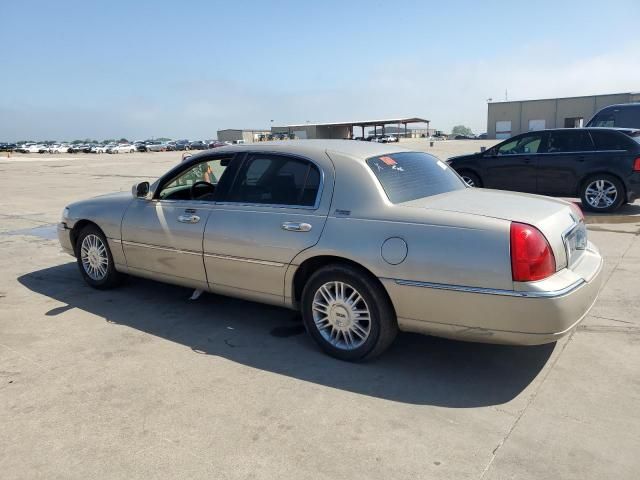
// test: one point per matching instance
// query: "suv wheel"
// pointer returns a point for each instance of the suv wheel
(602, 193)
(348, 313)
(471, 179)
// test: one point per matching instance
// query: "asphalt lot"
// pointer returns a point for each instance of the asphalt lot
(140, 382)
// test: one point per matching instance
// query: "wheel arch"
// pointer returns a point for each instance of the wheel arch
(311, 265)
(587, 176)
(78, 227)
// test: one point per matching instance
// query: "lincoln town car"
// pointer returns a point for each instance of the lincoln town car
(364, 239)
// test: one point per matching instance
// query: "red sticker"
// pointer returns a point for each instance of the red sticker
(389, 161)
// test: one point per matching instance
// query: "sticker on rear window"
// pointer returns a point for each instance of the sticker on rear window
(389, 161)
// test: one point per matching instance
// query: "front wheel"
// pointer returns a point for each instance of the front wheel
(95, 260)
(348, 313)
(602, 193)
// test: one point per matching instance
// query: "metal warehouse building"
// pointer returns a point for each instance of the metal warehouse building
(245, 135)
(505, 119)
(338, 130)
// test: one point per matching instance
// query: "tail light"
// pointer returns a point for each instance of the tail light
(636, 165)
(578, 211)
(531, 255)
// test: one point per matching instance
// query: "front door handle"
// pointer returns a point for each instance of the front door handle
(296, 227)
(189, 218)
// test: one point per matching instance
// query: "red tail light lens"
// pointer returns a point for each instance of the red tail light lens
(636, 165)
(531, 255)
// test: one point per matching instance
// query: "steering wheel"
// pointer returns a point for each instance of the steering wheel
(210, 186)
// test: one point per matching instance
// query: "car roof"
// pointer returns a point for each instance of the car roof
(619, 129)
(352, 148)
(621, 105)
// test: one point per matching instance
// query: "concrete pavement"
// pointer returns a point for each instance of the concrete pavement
(140, 382)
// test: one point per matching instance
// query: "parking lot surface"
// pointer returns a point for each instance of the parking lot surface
(141, 382)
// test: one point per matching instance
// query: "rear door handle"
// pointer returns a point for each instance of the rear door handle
(189, 218)
(296, 227)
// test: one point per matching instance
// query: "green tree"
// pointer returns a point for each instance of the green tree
(461, 130)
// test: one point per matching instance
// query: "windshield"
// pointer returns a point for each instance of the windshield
(412, 175)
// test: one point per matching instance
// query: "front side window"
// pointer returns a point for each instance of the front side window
(276, 180)
(412, 175)
(180, 188)
(521, 145)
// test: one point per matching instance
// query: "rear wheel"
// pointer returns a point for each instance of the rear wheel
(94, 259)
(602, 193)
(471, 179)
(348, 313)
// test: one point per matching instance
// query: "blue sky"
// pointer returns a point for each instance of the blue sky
(75, 69)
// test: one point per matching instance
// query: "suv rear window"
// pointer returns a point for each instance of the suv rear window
(407, 176)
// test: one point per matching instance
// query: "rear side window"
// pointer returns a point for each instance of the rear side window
(574, 140)
(276, 180)
(407, 176)
(610, 140)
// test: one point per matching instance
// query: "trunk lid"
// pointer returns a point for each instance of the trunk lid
(553, 217)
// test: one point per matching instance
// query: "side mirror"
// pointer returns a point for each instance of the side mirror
(492, 152)
(140, 190)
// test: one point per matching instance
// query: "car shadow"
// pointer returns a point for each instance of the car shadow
(416, 369)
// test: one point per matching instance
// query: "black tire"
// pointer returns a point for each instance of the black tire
(589, 201)
(472, 177)
(383, 326)
(112, 278)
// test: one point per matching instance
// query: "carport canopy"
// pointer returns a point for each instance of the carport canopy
(365, 123)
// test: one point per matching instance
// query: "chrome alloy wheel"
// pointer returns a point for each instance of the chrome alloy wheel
(601, 194)
(95, 260)
(468, 181)
(341, 315)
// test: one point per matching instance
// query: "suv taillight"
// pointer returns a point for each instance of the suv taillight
(636, 165)
(531, 255)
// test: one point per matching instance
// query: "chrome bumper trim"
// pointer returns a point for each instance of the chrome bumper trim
(492, 291)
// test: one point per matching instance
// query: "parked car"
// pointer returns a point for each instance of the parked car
(79, 148)
(155, 146)
(216, 144)
(8, 147)
(392, 139)
(599, 165)
(182, 145)
(122, 148)
(59, 148)
(626, 115)
(102, 148)
(363, 239)
(198, 145)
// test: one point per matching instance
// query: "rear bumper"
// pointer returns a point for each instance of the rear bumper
(497, 316)
(633, 187)
(64, 236)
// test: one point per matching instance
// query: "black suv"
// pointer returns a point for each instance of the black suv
(626, 115)
(599, 165)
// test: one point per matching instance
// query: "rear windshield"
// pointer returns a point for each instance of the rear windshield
(628, 116)
(407, 176)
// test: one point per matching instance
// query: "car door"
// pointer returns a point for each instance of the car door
(560, 166)
(511, 165)
(162, 236)
(271, 214)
